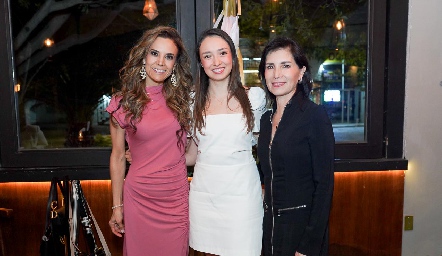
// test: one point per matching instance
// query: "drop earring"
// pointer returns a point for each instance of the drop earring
(302, 75)
(173, 79)
(143, 72)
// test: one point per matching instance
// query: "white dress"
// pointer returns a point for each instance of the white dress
(225, 200)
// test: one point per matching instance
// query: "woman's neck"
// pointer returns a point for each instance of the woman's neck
(281, 101)
(219, 102)
(218, 89)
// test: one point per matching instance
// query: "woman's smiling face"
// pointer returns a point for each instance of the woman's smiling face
(282, 73)
(216, 58)
(160, 61)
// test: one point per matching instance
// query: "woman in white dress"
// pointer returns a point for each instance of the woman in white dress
(225, 200)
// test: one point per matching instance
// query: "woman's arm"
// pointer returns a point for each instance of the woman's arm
(322, 143)
(191, 152)
(117, 173)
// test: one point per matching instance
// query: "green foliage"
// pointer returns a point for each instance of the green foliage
(102, 140)
(310, 22)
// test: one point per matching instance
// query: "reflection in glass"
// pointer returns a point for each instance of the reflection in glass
(334, 36)
(67, 56)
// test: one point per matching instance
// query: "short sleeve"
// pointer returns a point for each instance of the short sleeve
(257, 98)
(117, 111)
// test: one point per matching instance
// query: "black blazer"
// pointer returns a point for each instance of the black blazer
(299, 179)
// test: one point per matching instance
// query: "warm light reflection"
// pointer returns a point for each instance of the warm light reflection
(35, 184)
(36, 187)
(411, 166)
(48, 42)
(355, 174)
(12, 190)
(339, 25)
(17, 88)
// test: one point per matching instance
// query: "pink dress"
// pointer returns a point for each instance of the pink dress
(156, 190)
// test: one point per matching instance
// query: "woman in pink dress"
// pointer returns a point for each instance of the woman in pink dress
(151, 112)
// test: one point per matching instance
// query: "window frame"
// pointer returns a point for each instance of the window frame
(385, 99)
(11, 156)
(383, 125)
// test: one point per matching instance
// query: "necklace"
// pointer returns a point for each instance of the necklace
(276, 123)
(219, 101)
(276, 128)
(283, 110)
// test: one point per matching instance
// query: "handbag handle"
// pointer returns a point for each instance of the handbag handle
(81, 209)
(52, 203)
(100, 234)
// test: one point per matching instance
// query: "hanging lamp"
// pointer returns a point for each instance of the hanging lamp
(150, 9)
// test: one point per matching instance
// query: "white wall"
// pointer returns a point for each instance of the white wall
(423, 129)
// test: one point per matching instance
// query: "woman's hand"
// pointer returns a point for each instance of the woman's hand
(116, 222)
(128, 156)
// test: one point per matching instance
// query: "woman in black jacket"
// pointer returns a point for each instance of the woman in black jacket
(296, 153)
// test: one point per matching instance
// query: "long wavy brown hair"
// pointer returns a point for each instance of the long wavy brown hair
(235, 87)
(134, 98)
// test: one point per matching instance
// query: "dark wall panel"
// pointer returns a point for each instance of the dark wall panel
(366, 216)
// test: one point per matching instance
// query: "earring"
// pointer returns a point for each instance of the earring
(173, 79)
(300, 79)
(143, 72)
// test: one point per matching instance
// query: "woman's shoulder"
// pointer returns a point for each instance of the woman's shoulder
(317, 112)
(115, 110)
(255, 91)
(257, 97)
(267, 113)
(114, 103)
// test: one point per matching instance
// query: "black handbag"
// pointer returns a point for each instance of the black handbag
(56, 235)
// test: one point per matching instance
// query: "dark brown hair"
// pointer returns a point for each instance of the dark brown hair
(278, 43)
(235, 88)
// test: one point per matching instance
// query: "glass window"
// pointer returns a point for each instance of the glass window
(50, 93)
(334, 36)
(67, 61)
